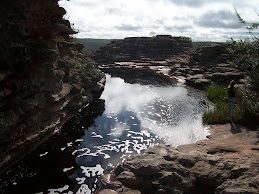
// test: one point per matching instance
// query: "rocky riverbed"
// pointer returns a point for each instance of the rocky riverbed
(172, 58)
(227, 162)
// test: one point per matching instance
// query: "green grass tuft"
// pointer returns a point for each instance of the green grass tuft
(246, 109)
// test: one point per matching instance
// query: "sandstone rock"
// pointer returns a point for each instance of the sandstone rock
(134, 48)
(170, 56)
(216, 165)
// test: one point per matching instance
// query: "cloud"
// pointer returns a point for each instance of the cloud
(128, 27)
(199, 19)
(188, 3)
(220, 19)
(178, 28)
(114, 11)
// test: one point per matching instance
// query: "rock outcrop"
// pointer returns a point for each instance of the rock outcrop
(45, 77)
(225, 163)
(172, 57)
(209, 64)
(157, 48)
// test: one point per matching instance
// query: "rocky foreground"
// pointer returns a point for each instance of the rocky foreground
(226, 162)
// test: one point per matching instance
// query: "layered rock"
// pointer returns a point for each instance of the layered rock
(225, 163)
(171, 57)
(45, 79)
(134, 48)
(208, 64)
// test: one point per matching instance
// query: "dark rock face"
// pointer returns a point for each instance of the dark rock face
(45, 77)
(157, 48)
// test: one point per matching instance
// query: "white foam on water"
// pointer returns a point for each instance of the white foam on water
(60, 190)
(92, 171)
(96, 135)
(67, 169)
(43, 154)
(80, 181)
(79, 140)
(84, 189)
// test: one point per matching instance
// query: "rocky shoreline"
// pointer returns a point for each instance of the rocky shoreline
(226, 162)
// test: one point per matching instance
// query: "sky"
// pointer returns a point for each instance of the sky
(202, 20)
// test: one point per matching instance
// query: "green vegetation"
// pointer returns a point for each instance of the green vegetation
(81, 60)
(218, 115)
(93, 44)
(246, 55)
(246, 58)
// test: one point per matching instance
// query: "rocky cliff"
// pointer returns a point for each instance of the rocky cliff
(45, 77)
(157, 48)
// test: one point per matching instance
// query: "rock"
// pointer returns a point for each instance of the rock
(134, 48)
(44, 81)
(216, 165)
(172, 57)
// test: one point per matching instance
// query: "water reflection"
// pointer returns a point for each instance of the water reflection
(167, 112)
(135, 118)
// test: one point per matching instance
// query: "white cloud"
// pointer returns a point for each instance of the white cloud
(198, 19)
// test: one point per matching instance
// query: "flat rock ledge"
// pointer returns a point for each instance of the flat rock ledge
(226, 162)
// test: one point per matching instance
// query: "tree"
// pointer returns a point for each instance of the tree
(246, 54)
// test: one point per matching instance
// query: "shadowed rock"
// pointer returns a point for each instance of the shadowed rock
(45, 77)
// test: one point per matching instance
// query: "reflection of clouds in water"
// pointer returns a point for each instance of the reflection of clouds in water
(168, 112)
(118, 129)
(123, 96)
(135, 118)
(92, 171)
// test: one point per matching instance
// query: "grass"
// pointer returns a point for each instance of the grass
(246, 109)
(219, 114)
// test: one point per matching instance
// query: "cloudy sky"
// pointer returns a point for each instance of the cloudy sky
(202, 20)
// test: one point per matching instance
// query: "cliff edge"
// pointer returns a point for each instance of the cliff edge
(45, 77)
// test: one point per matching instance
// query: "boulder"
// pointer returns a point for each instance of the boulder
(216, 165)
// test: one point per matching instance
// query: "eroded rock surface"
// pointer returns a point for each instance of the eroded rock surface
(228, 162)
(170, 57)
(45, 76)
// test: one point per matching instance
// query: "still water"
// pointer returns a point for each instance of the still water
(135, 118)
